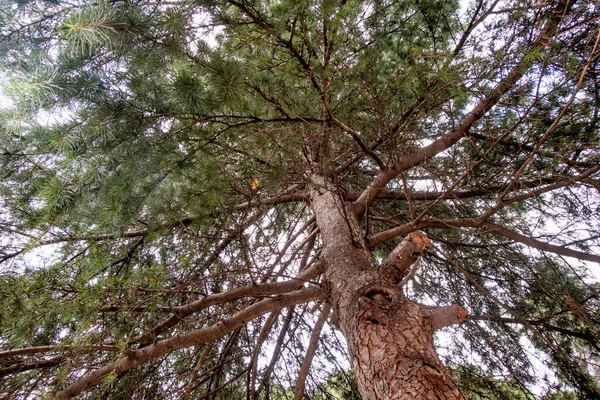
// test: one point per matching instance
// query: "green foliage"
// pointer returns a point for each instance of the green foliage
(149, 147)
(340, 385)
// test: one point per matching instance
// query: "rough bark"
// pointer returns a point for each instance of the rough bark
(390, 338)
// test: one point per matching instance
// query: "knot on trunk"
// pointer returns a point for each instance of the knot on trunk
(376, 302)
(379, 295)
(433, 372)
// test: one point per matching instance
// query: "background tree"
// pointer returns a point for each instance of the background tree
(224, 199)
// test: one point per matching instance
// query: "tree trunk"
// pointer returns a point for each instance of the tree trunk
(390, 338)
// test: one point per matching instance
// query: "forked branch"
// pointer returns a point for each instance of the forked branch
(461, 130)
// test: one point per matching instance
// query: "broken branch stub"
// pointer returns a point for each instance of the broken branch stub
(404, 255)
(447, 315)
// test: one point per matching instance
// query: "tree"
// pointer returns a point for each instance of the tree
(200, 197)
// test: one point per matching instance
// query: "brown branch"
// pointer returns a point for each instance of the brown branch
(529, 148)
(197, 368)
(404, 255)
(264, 289)
(462, 129)
(287, 245)
(306, 245)
(480, 288)
(48, 349)
(564, 182)
(383, 236)
(472, 25)
(463, 194)
(276, 351)
(356, 136)
(264, 333)
(214, 255)
(478, 223)
(442, 317)
(288, 44)
(28, 366)
(228, 382)
(516, 316)
(500, 204)
(539, 245)
(403, 195)
(193, 338)
(556, 120)
(310, 352)
(100, 237)
(405, 229)
(587, 336)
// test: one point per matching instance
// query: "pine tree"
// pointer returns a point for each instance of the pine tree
(235, 199)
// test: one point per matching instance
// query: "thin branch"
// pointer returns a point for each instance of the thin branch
(310, 351)
(98, 238)
(28, 366)
(197, 368)
(477, 223)
(276, 351)
(48, 349)
(556, 121)
(264, 333)
(356, 136)
(403, 195)
(529, 148)
(587, 336)
(405, 229)
(539, 245)
(287, 245)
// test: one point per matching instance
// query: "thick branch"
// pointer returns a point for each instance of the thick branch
(447, 316)
(404, 255)
(461, 130)
(189, 339)
(264, 289)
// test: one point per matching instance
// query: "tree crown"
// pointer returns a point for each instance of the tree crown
(156, 187)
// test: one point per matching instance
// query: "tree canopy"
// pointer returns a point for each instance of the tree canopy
(161, 231)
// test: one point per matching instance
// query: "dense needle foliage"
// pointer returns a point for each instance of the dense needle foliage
(155, 153)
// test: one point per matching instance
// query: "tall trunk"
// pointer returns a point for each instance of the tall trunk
(390, 338)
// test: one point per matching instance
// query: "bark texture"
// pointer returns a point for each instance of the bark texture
(390, 338)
